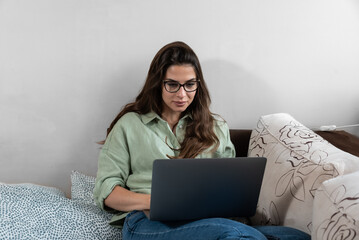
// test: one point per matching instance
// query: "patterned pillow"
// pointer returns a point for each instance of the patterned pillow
(29, 211)
(336, 209)
(298, 161)
(82, 187)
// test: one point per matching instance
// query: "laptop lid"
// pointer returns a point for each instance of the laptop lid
(186, 189)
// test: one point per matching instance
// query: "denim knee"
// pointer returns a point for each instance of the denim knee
(232, 233)
(282, 233)
(228, 229)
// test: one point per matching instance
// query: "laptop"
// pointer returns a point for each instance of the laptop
(189, 189)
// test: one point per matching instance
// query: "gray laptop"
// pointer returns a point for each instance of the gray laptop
(188, 189)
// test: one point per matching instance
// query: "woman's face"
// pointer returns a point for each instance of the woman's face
(177, 102)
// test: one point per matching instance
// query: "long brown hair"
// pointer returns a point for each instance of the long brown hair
(199, 132)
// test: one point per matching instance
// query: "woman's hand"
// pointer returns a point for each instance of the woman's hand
(124, 200)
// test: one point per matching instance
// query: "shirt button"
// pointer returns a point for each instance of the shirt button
(180, 126)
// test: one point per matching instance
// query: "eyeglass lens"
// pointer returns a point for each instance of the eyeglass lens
(173, 86)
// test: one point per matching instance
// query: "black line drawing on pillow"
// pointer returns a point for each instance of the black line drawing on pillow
(304, 159)
(298, 162)
(301, 155)
(340, 225)
(271, 217)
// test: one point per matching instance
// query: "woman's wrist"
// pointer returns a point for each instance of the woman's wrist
(125, 200)
(147, 201)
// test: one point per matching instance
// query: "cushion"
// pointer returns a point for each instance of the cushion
(298, 161)
(336, 209)
(82, 187)
(30, 211)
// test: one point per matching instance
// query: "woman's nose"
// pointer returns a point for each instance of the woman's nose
(181, 92)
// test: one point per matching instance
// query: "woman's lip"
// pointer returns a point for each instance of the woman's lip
(179, 103)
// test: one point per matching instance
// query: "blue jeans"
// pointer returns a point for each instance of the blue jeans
(137, 226)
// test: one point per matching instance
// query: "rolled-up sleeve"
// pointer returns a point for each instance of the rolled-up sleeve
(113, 165)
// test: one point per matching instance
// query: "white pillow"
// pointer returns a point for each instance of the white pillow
(336, 209)
(298, 161)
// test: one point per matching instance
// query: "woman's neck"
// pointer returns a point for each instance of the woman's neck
(171, 119)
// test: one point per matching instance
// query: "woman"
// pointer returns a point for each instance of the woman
(170, 118)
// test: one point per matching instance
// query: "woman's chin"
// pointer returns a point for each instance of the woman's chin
(180, 109)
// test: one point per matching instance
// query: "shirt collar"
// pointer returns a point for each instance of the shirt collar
(188, 115)
(149, 117)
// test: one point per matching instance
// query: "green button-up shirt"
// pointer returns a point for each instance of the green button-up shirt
(134, 143)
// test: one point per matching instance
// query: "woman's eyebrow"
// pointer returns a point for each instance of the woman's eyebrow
(169, 79)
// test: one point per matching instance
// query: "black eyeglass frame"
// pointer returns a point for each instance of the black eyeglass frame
(181, 85)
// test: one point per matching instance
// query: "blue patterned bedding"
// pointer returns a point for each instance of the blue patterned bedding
(29, 211)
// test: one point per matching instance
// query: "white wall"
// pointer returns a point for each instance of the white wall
(68, 66)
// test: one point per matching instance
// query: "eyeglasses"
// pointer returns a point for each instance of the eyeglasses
(173, 86)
